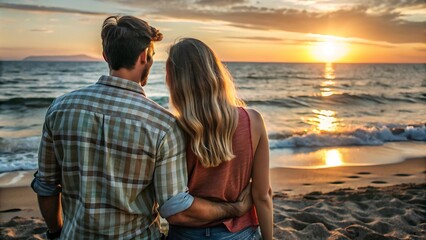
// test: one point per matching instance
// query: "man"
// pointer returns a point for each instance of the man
(109, 156)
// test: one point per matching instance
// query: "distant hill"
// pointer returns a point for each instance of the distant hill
(63, 58)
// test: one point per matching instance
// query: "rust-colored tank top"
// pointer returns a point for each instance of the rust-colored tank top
(226, 181)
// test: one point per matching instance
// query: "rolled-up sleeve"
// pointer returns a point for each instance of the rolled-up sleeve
(47, 180)
(176, 204)
(45, 189)
(170, 175)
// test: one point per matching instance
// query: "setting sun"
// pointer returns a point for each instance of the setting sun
(329, 50)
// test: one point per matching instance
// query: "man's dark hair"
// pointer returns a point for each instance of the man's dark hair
(124, 38)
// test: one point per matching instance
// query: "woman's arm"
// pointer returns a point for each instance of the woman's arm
(261, 187)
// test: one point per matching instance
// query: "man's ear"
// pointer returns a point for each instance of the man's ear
(105, 57)
(143, 56)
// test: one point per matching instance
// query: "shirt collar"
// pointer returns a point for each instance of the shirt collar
(121, 83)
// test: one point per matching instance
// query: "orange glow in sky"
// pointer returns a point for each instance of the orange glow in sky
(247, 31)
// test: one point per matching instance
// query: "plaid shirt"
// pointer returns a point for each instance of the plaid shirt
(116, 156)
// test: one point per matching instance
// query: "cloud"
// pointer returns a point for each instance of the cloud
(38, 8)
(384, 4)
(354, 22)
(307, 41)
(392, 4)
(274, 40)
(421, 49)
(42, 30)
(220, 2)
(177, 3)
(268, 39)
(374, 20)
(370, 43)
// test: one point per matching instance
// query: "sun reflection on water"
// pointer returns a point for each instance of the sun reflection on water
(329, 72)
(324, 120)
(333, 158)
(325, 92)
(328, 83)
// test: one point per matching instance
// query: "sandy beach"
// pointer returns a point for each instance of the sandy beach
(366, 202)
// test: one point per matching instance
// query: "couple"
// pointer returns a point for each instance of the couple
(111, 160)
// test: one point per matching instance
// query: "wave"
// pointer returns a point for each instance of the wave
(21, 153)
(13, 145)
(287, 103)
(289, 76)
(13, 103)
(26, 102)
(361, 136)
(18, 162)
(17, 80)
(358, 136)
(339, 99)
(347, 98)
(263, 77)
(8, 81)
(18, 153)
(276, 77)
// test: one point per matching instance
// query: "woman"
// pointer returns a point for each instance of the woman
(227, 144)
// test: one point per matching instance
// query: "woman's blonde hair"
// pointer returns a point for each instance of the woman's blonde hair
(204, 98)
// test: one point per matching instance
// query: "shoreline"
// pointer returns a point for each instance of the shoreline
(302, 181)
(23, 178)
(301, 197)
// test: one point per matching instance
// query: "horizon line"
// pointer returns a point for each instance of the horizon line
(230, 61)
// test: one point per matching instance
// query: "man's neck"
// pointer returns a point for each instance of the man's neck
(126, 74)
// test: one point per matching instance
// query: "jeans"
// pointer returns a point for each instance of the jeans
(212, 233)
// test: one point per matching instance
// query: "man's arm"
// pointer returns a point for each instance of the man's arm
(49, 202)
(51, 209)
(203, 212)
(46, 183)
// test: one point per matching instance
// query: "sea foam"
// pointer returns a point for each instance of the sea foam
(361, 136)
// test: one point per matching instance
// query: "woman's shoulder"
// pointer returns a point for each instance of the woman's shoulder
(256, 118)
(256, 125)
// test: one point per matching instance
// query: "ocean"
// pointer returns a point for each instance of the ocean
(317, 115)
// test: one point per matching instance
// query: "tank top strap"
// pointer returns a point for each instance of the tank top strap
(248, 124)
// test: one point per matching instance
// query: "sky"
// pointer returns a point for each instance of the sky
(366, 31)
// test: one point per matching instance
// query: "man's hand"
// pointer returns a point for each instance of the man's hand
(244, 201)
